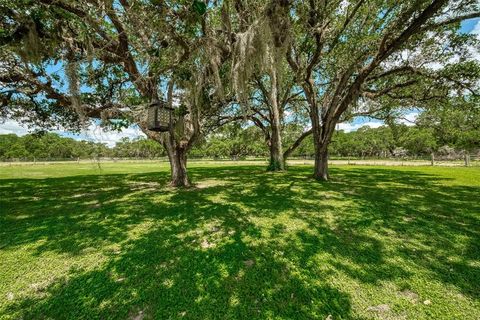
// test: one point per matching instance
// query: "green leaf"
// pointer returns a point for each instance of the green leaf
(199, 7)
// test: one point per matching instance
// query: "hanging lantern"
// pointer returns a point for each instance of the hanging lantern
(159, 117)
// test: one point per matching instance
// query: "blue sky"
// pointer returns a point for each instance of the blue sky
(469, 25)
(95, 133)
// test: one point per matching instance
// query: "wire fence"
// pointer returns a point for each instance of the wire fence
(436, 160)
(458, 159)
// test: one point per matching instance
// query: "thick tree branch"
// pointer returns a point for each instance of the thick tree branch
(297, 143)
(447, 22)
(372, 94)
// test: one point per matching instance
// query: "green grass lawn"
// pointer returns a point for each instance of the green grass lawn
(79, 242)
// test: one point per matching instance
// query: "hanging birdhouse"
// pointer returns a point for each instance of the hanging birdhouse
(159, 117)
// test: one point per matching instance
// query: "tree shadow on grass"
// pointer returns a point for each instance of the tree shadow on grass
(73, 213)
(170, 272)
(205, 255)
(430, 224)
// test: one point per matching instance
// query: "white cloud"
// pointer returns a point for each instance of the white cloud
(348, 127)
(11, 126)
(96, 134)
(93, 133)
(409, 119)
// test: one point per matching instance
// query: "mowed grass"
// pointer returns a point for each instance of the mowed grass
(82, 242)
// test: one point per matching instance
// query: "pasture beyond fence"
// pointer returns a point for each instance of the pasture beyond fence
(469, 160)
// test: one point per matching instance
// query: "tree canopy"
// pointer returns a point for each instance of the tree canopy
(277, 63)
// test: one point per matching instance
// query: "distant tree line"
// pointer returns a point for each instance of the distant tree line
(236, 141)
(396, 141)
(51, 146)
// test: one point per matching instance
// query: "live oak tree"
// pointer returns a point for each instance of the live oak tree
(264, 87)
(114, 57)
(275, 111)
(354, 58)
(359, 57)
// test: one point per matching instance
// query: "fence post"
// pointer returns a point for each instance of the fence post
(467, 159)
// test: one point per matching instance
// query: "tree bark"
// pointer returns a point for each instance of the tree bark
(321, 162)
(178, 167)
(277, 162)
(321, 139)
(177, 156)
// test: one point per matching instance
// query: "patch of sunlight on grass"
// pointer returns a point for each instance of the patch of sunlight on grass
(78, 241)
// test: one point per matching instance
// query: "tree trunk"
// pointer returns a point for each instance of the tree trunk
(321, 163)
(277, 162)
(178, 168)
(433, 158)
(320, 142)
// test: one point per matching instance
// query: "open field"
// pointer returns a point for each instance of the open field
(112, 242)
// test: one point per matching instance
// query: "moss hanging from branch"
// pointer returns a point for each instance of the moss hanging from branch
(30, 48)
(260, 48)
(215, 60)
(72, 74)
